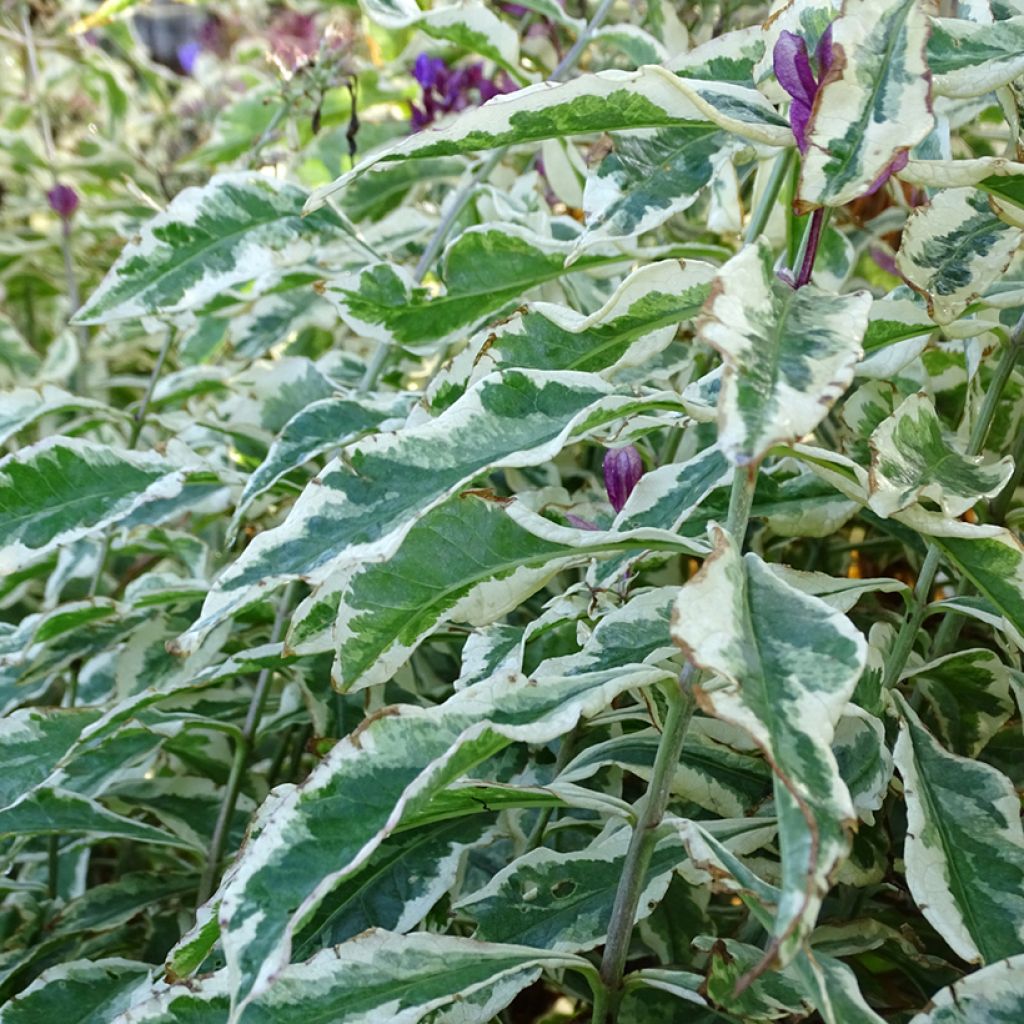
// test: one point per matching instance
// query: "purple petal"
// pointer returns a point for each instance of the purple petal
(793, 67)
(823, 53)
(895, 165)
(63, 200)
(580, 523)
(427, 70)
(188, 54)
(799, 118)
(623, 467)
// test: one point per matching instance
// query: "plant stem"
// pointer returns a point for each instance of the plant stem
(459, 200)
(138, 422)
(240, 762)
(809, 247)
(46, 132)
(681, 705)
(770, 196)
(741, 500)
(926, 578)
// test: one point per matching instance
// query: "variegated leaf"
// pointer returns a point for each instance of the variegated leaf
(362, 504)
(376, 976)
(563, 901)
(649, 177)
(968, 696)
(788, 353)
(874, 102)
(469, 560)
(638, 321)
(964, 852)
(970, 59)
(320, 427)
(471, 26)
(993, 995)
(785, 665)
(953, 249)
(83, 991)
(404, 878)
(62, 489)
(20, 407)
(381, 301)
(650, 97)
(711, 774)
(236, 228)
(390, 769)
(913, 458)
(992, 558)
(865, 763)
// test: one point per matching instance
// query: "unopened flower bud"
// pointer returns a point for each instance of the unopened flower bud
(63, 200)
(623, 467)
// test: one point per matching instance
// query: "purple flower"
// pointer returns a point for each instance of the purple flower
(63, 200)
(623, 467)
(793, 70)
(446, 90)
(188, 54)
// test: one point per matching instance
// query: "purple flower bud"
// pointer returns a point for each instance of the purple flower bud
(623, 467)
(580, 523)
(898, 162)
(428, 71)
(63, 200)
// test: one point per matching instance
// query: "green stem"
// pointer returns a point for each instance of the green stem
(770, 196)
(138, 422)
(240, 761)
(49, 148)
(458, 202)
(681, 703)
(741, 500)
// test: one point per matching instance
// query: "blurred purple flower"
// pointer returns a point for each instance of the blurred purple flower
(63, 201)
(623, 467)
(188, 54)
(446, 90)
(793, 70)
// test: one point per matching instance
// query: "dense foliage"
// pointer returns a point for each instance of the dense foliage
(509, 512)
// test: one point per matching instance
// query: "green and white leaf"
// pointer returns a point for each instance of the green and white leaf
(362, 504)
(387, 772)
(49, 811)
(968, 59)
(993, 995)
(20, 407)
(376, 976)
(61, 489)
(322, 426)
(404, 878)
(472, 26)
(649, 97)
(913, 458)
(865, 763)
(953, 249)
(563, 901)
(968, 696)
(785, 664)
(469, 560)
(992, 558)
(788, 354)
(964, 851)
(638, 321)
(873, 104)
(649, 177)
(83, 991)
(238, 227)
(381, 301)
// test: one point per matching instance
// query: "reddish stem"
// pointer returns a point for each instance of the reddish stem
(817, 219)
